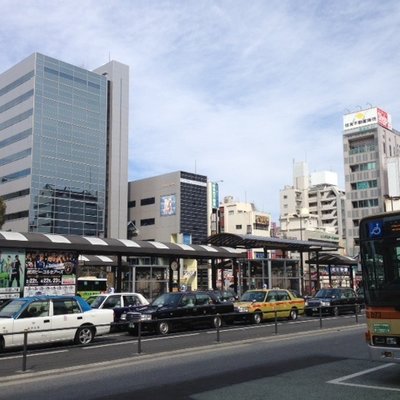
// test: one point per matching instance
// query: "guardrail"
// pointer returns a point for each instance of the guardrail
(236, 316)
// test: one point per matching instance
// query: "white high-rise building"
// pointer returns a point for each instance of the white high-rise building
(369, 143)
(313, 207)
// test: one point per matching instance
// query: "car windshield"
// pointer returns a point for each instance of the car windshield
(95, 301)
(327, 293)
(253, 296)
(12, 309)
(167, 299)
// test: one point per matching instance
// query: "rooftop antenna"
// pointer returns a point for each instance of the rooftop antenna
(109, 56)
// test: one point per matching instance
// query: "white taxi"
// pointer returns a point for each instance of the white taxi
(51, 319)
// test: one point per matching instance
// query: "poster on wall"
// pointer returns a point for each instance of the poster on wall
(50, 273)
(12, 269)
(167, 205)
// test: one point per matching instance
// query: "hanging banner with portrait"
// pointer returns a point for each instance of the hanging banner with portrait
(12, 273)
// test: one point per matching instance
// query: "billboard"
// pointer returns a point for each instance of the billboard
(167, 205)
(50, 273)
(12, 273)
(367, 117)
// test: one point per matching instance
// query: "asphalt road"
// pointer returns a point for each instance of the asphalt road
(302, 361)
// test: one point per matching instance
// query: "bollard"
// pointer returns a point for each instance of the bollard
(357, 311)
(276, 321)
(25, 350)
(139, 342)
(320, 317)
(217, 326)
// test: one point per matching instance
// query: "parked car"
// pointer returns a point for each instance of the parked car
(180, 309)
(333, 301)
(119, 302)
(261, 304)
(39, 314)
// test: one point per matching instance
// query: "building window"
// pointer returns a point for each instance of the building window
(363, 167)
(364, 185)
(238, 227)
(148, 201)
(132, 204)
(147, 222)
(356, 148)
(365, 203)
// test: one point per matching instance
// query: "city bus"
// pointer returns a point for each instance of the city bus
(380, 262)
(90, 286)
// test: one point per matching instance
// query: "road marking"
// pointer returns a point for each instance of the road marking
(34, 355)
(340, 381)
(135, 341)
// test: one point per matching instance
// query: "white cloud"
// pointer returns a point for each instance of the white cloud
(232, 89)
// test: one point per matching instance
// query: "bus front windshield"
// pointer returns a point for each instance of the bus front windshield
(381, 272)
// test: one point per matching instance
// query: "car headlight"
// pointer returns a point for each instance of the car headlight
(242, 309)
(306, 303)
(325, 303)
(146, 317)
(123, 317)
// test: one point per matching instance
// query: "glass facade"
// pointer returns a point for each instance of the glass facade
(69, 150)
(194, 206)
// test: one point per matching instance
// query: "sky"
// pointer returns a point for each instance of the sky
(236, 90)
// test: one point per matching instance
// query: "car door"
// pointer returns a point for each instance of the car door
(67, 317)
(36, 320)
(271, 305)
(186, 309)
(204, 306)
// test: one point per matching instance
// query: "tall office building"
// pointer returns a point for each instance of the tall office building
(369, 141)
(62, 128)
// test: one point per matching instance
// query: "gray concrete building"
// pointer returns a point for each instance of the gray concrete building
(369, 141)
(169, 208)
(63, 147)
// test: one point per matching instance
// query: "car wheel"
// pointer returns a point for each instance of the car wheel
(335, 311)
(84, 335)
(163, 328)
(216, 322)
(257, 318)
(293, 314)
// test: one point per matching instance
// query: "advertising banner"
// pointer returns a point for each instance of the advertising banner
(12, 269)
(167, 205)
(50, 273)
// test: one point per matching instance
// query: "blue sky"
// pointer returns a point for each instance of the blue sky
(232, 89)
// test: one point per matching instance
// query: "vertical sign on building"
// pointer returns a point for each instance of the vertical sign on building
(214, 195)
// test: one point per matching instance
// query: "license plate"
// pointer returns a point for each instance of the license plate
(131, 324)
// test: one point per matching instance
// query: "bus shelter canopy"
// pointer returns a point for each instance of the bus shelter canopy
(117, 247)
(269, 243)
(333, 259)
